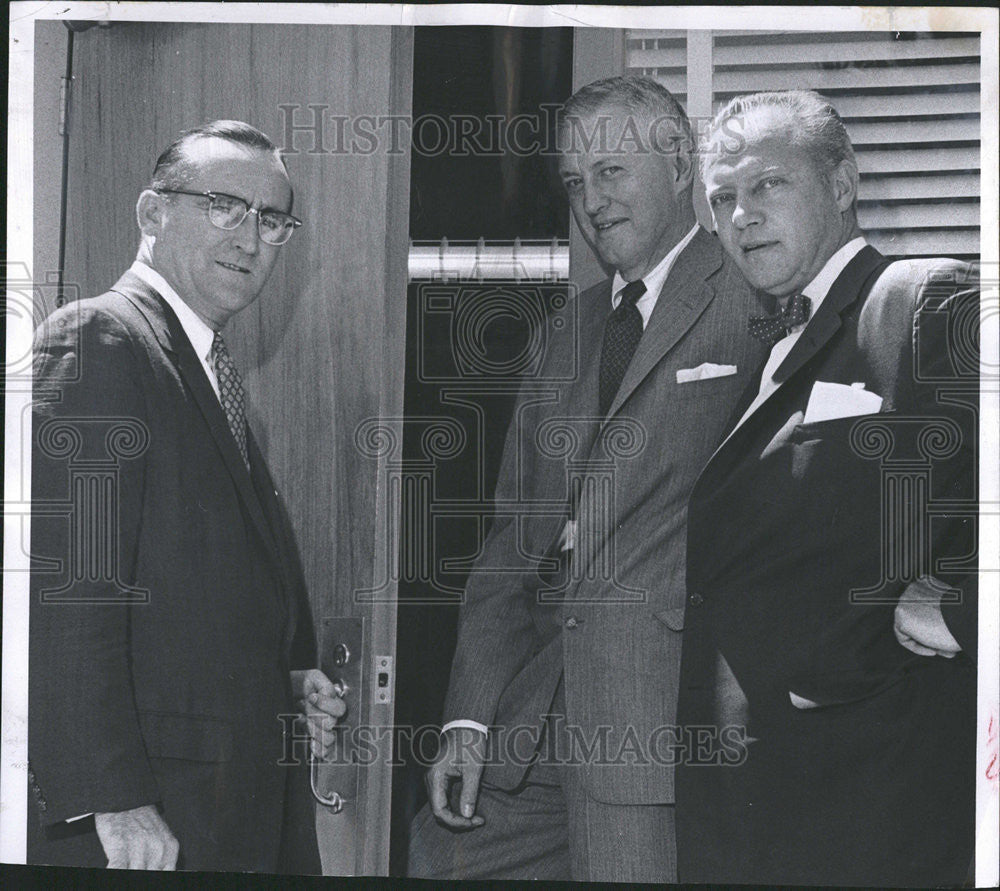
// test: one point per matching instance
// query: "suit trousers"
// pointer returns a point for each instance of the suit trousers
(548, 828)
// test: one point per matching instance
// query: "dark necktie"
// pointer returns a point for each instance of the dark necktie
(230, 393)
(771, 329)
(622, 332)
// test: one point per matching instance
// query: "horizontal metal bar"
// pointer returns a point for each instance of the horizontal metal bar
(489, 261)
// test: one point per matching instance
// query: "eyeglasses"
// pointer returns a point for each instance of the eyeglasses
(229, 212)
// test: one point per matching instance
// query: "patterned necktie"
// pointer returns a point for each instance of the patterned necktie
(771, 329)
(622, 332)
(230, 393)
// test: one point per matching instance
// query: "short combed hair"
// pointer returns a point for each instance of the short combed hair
(815, 125)
(643, 96)
(170, 166)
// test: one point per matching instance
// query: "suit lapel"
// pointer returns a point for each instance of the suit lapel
(821, 328)
(287, 561)
(826, 322)
(682, 299)
(171, 337)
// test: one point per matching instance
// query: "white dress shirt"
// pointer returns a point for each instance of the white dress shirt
(653, 280)
(197, 331)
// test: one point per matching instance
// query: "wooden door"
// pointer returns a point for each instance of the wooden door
(322, 349)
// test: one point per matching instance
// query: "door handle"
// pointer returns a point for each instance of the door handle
(334, 779)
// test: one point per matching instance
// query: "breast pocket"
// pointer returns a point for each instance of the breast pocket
(672, 617)
(860, 432)
(713, 389)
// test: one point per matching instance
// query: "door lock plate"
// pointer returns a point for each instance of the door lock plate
(335, 777)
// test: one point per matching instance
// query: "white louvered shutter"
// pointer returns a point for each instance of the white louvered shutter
(911, 105)
(661, 55)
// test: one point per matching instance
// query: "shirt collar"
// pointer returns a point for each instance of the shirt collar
(654, 279)
(820, 286)
(200, 334)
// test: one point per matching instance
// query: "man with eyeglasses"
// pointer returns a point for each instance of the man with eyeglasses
(171, 643)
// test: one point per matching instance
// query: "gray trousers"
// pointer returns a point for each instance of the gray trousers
(548, 829)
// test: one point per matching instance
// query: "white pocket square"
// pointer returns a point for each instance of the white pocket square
(827, 402)
(703, 372)
(801, 702)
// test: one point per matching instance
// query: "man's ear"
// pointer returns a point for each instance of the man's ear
(683, 170)
(845, 185)
(149, 212)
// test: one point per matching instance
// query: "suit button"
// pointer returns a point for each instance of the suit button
(572, 622)
(696, 599)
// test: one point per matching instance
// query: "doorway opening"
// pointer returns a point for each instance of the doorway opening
(489, 229)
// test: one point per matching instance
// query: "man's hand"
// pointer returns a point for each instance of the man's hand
(137, 839)
(919, 625)
(463, 752)
(320, 700)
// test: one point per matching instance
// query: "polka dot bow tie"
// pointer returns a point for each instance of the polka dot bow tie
(771, 329)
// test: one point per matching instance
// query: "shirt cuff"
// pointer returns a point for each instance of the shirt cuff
(81, 817)
(473, 725)
(567, 541)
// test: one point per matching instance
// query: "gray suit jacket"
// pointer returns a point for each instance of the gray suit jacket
(610, 628)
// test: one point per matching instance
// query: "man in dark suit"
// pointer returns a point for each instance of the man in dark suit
(170, 635)
(831, 539)
(575, 606)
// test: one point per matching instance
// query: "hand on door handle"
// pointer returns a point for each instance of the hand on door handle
(321, 701)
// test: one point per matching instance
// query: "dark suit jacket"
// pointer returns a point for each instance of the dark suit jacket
(612, 630)
(800, 539)
(166, 595)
